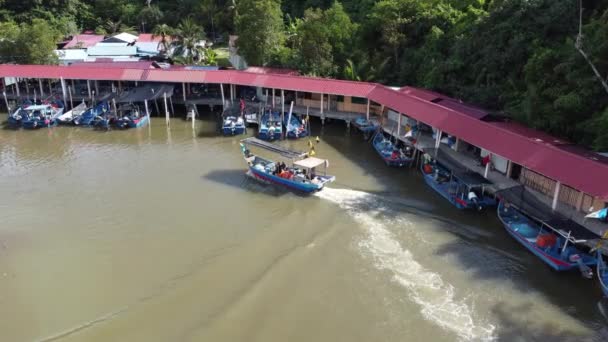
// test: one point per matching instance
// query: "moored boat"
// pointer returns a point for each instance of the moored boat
(366, 126)
(460, 186)
(295, 126)
(233, 125)
(393, 153)
(557, 241)
(270, 127)
(68, 117)
(87, 118)
(300, 175)
(130, 117)
(44, 115)
(15, 119)
(602, 273)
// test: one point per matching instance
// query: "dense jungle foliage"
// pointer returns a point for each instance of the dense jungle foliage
(515, 57)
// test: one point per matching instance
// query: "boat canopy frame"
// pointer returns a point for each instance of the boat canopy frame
(457, 169)
(524, 200)
(282, 151)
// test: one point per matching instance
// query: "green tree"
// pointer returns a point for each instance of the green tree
(187, 38)
(165, 33)
(259, 25)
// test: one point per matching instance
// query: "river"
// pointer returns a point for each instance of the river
(155, 234)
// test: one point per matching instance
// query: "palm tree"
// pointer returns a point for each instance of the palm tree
(165, 32)
(188, 36)
(210, 57)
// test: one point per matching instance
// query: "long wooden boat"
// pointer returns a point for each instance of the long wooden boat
(296, 128)
(87, 118)
(130, 117)
(16, 118)
(396, 154)
(271, 127)
(300, 175)
(44, 115)
(602, 273)
(68, 118)
(553, 246)
(461, 187)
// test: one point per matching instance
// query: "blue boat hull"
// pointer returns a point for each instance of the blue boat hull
(602, 273)
(388, 158)
(265, 135)
(228, 131)
(270, 178)
(36, 124)
(461, 203)
(14, 123)
(550, 256)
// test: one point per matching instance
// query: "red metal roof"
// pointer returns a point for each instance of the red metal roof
(83, 41)
(445, 101)
(143, 65)
(275, 71)
(566, 163)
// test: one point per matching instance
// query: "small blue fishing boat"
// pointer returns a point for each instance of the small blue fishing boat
(233, 125)
(271, 127)
(130, 117)
(86, 119)
(397, 154)
(15, 119)
(68, 118)
(301, 175)
(366, 126)
(295, 126)
(461, 187)
(602, 273)
(44, 115)
(551, 243)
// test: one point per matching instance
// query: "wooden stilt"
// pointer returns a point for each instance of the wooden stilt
(166, 109)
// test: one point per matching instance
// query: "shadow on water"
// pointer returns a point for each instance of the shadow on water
(238, 179)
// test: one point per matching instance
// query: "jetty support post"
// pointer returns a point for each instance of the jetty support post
(322, 112)
(147, 112)
(166, 109)
(17, 88)
(487, 170)
(399, 120)
(558, 186)
(194, 115)
(273, 99)
(89, 90)
(63, 91)
(97, 88)
(282, 103)
(438, 138)
(71, 98)
(223, 97)
(231, 93)
(367, 110)
(8, 108)
(27, 87)
(50, 87)
(184, 92)
(41, 88)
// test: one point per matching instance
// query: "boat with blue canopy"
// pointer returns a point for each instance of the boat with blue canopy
(394, 152)
(270, 127)
(462, 187)
(295, 126)
(559, 242)
(44, 115)
(301, 174)
(233, 122)
(86, 119)
(68, 117)
(602, 273)
(367, 126)
(130, 116)
(15, 119)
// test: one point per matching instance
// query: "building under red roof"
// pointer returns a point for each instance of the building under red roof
(83, 41)
(585, 171)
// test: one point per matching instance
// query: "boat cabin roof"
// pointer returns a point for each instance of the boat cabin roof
(460, 171)
(310, 162)
(530, 205)
(38, 107)
(284, 152)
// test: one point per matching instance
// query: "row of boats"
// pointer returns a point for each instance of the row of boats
(271, 125)
(49, 113)
(559, 242)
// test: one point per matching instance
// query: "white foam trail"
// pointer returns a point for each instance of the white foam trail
(426, 288)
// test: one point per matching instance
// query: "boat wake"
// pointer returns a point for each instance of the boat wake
(424, 287)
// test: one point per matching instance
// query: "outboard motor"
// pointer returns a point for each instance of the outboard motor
(585, 270)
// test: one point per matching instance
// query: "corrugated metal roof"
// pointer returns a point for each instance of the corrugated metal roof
(83, 41)
(143, 65)
(112, 50)
(274, 71)
(566, 163)
(445, 101)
